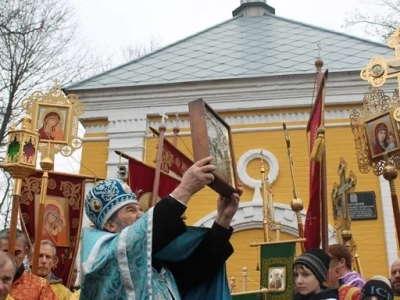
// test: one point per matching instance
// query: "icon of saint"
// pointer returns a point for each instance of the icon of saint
(380, 134)
(52, 127)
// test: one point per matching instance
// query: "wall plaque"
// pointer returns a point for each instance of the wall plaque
(362, 206)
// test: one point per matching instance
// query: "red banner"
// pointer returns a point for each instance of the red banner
(174, 160)
(312, 228)
(62, 216)
(141, 179)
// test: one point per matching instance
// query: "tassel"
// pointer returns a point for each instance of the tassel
(258, 260)
(319, 145)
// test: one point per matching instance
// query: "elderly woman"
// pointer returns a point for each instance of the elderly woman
(309, 271)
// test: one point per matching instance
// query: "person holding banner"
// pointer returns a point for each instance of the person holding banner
(129, 254)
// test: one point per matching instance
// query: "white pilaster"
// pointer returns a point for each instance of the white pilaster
(388, 218)
(126, 133)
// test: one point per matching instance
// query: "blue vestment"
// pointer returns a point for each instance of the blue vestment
(119, 266)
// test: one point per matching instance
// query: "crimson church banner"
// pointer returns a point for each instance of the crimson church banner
(141, 180)
(172, 159)
(62, 215)
(312, 226)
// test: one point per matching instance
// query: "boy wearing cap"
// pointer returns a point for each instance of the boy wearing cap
(131, 255)
(310, 270)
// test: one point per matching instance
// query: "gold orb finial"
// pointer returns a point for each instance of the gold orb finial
(321, 130)
(46, 164)
(347, 235)
(389, 172)
(319, 63)
(297, 204)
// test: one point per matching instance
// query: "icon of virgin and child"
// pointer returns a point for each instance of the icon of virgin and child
(52, 126)
(384, 139)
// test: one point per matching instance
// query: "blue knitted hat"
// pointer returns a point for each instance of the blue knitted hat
(106, 198)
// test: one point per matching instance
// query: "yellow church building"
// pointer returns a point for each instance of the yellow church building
(256, 70)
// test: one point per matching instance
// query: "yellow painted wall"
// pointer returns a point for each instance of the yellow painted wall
(95, 153)
(340, 143)
(369, 234)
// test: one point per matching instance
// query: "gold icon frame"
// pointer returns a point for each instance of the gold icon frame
(68, 108)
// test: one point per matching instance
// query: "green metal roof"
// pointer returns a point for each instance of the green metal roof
(242, 48)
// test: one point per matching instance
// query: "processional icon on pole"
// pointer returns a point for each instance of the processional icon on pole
(376, 125)
(49, 126)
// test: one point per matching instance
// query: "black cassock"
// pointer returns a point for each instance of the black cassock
(208, 258)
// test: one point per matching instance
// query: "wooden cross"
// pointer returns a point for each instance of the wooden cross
(379, 69)
(340, 192)
(164, 117)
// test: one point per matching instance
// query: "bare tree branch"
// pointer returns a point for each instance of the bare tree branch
(38, 43)
(127, 53)
(131, 52)
(382, 23)
(9, 11)
(5, 198)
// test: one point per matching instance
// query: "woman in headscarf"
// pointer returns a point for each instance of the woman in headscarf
(309, 271)
(380, 134)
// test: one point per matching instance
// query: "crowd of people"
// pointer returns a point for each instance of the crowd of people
(322, 276)
(129, 254)
(16, 280)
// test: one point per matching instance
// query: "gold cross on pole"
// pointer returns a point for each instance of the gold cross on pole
(339, 195)
(379, 69)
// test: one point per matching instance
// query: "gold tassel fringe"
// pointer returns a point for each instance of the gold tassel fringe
(319, 145)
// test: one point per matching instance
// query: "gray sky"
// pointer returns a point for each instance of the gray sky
(109, 24)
